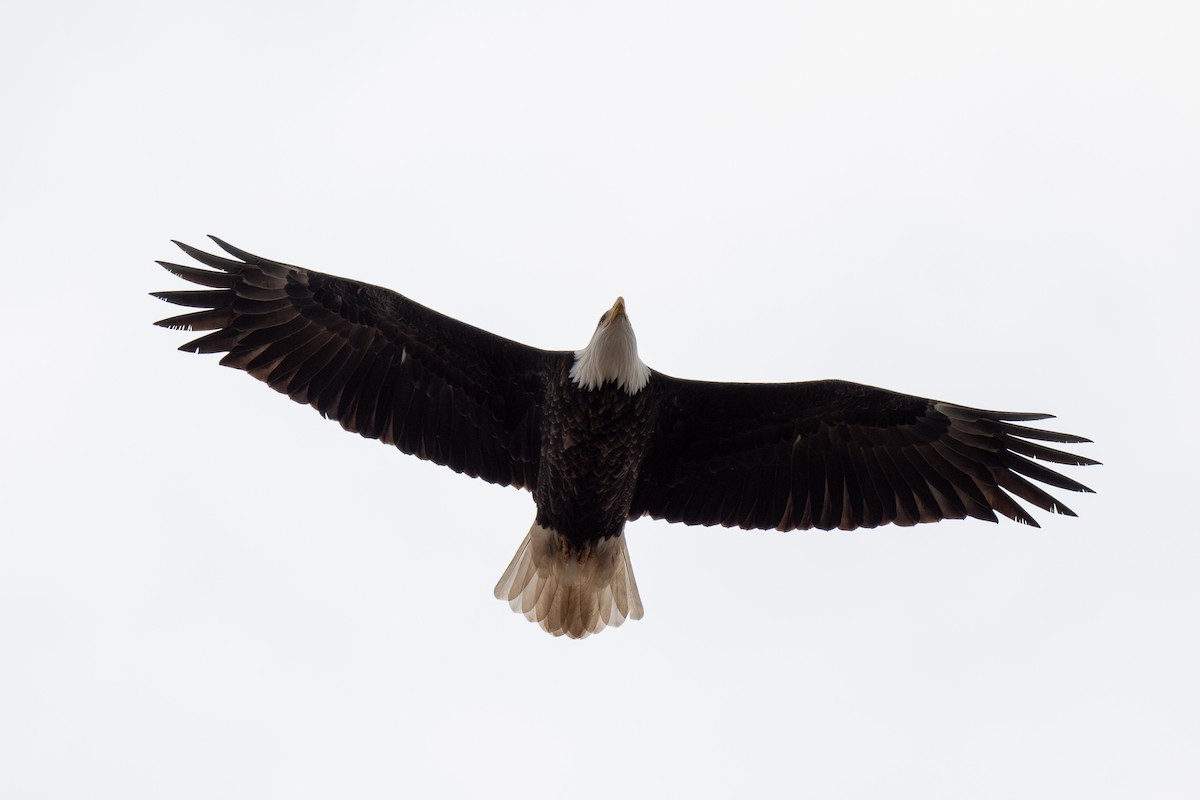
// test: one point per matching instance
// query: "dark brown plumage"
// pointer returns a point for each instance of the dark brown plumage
(832, 454)
(598, 438)
(381, 365)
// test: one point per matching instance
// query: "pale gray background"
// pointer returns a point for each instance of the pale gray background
(208, 591)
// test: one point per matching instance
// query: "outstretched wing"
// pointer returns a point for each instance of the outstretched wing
(833, 454)
(383, 366)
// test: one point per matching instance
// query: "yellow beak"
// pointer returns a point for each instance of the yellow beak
(617, 310)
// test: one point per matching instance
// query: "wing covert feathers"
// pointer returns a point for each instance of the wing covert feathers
(833, 454)
(381, 365)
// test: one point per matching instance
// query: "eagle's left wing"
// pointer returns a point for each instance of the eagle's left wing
(833, 454)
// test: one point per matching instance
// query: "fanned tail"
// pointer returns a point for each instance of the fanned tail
(571, 593)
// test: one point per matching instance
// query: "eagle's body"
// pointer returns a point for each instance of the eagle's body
(599, 438)
(603, 433)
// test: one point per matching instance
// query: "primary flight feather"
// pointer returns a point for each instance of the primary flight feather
(599, 438)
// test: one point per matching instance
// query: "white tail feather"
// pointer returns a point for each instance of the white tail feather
(565, 593)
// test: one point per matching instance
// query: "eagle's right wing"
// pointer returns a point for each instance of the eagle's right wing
(383, 366)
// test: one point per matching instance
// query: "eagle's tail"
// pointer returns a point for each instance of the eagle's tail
(569, 592)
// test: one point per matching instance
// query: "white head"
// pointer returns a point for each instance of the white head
(611, 355)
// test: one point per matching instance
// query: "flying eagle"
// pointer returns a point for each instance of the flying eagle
(599, 438)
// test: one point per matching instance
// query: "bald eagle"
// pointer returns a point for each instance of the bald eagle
(599, 438)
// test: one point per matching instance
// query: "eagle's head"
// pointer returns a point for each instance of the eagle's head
(611, 355)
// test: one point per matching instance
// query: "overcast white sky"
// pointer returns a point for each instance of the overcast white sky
(208, 591)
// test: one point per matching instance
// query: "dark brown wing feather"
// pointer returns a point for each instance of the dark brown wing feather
(380, 364)
(832, 454)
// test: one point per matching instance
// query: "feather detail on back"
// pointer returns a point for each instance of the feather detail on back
(576, 594)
